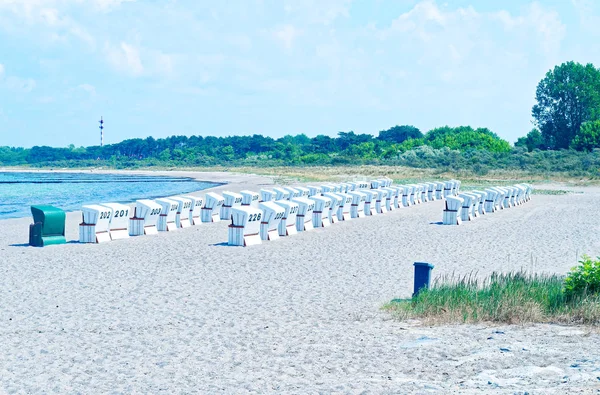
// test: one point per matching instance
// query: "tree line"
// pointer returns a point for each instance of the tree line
(567, 132)
(347, 147)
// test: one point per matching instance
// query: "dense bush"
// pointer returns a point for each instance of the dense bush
(584, 279)
(465, 138)
(588, 137)
(571, 163)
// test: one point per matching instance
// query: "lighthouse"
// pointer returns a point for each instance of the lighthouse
(101, 132)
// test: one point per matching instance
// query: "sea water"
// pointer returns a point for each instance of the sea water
(69, 191)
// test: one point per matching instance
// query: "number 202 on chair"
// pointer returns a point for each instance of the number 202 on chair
(95, 225)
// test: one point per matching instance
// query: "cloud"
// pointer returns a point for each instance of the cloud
(318, 11)
(108, 5)
(138, 61)
(546, 25)
(429, 54)
(29, 6)
(132, 58)
(21, 85)
(46, 99)
(163, 63)
(286, 35)
(124, 58)
(52, 18)
(588, 14)
(88, 88)
(14, 83)
(425, 11)
(45, 18)
(452, 37)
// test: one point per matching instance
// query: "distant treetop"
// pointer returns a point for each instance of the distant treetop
(399, 134)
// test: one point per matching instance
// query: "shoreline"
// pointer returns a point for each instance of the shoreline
(155, 173)
(236, 182)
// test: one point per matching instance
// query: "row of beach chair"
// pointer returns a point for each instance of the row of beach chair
(467, 206)
(256, 216)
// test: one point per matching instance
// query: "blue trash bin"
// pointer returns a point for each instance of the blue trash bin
(422, 276)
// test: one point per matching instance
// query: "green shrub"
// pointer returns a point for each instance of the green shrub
(584, 279)
(588, 137)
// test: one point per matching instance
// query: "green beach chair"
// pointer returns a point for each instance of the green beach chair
(48, 226)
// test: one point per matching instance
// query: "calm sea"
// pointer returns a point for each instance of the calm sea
(69, 191)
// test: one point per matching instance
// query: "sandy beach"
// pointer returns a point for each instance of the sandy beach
(181, 312)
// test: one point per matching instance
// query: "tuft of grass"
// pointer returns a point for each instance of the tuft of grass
(512, 298)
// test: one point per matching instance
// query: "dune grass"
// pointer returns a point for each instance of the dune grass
(512, 298)
(400, 174)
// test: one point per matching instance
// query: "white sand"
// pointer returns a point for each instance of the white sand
(181, 312)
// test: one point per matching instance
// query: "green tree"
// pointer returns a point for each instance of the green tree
(533, 140)
(323, 144)
(165, 154)
(227, 152)
(346, 139)
(399, 134)
(567, 97)
(45, 154)
(588, 137)
(291, 153)
(177, 154)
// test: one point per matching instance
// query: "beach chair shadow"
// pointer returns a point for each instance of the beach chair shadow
(27, 244)
(224, 244)
(436, 223)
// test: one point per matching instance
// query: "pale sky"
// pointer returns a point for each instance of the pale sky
(277, 67)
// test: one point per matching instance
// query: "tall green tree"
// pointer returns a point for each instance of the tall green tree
(567, 97)
(399, 134)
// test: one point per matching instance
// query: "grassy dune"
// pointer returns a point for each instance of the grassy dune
(397, 173)
(502, 297)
